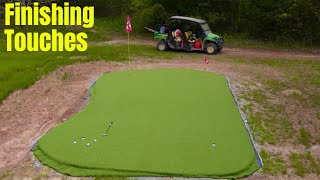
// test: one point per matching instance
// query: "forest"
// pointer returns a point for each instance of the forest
(290, 21)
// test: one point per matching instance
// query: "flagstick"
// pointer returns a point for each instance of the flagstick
(129, 47)
(107, 130)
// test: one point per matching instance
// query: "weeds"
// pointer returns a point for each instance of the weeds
(261, 132)
(6, 175)
(298, 165)
(304, 163)
(305, 137)
(297, 96)
(66, 76)
(269, 121)
(275, 85)
(258, 96)
(274, 164)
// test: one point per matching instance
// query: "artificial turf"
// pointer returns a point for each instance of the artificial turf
(165, 122)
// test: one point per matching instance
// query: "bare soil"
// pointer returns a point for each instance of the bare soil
(27, 114)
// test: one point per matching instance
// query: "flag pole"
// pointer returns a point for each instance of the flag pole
(129, 47)
(128, 29)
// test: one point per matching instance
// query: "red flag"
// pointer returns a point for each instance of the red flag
(128, 26)
(206, 60)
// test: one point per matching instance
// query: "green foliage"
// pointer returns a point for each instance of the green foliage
(273, 163)
(288, 22)
(148, 15)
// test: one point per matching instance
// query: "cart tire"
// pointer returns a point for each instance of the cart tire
(211, 48)
(162, 45)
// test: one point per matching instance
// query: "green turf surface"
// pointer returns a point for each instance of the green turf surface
(166, 122)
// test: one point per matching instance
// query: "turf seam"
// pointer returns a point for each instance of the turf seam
(245, 121)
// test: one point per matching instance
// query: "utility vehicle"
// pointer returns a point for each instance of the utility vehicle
(185, 33)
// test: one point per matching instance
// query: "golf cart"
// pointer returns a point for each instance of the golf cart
(190, 34)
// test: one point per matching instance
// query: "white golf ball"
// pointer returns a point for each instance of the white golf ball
(75, 142)
(88, 144)
(95, 140)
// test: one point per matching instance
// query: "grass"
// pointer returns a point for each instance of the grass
(273, 114)
(305, 137)
(17, 73)
(244, 41)
(269, 122)
(201, 131)
(298, 165)
(66, 76)
(273, 164)
(6, 175)
(261, 131)
(270, 100)
(304, 163)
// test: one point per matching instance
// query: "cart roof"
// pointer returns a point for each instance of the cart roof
(188, 19)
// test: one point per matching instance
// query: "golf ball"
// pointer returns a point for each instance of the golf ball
(83, 138)
(88, 144)
(75, 142)
(95, 140)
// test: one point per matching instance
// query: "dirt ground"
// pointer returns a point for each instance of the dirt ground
(27, 114)
(227, 51)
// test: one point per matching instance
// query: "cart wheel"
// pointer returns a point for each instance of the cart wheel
(162, 45)
(211, 48)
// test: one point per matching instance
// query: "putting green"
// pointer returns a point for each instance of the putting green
(166, 122)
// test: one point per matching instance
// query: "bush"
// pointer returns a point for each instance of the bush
(150, 17)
